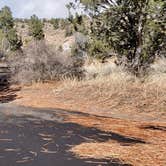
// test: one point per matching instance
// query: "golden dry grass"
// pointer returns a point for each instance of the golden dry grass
(118, 92)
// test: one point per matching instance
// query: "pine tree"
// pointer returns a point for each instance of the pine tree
(6, 19)
(7, 28)
(135, 30)
(14, 40)
(36, 28)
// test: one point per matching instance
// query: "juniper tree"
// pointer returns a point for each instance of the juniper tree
(6, 19)
(134, 29)
(36, 28)
(14, 40)
(7, 28)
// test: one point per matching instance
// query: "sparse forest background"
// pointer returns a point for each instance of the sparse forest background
(132, 34)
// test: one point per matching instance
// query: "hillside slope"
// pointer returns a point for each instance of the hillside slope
(54, 38)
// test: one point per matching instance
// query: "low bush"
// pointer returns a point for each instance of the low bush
(55, 23)
(37, 63)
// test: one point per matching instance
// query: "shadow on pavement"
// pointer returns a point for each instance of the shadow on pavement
(31, 141)
(7, 93)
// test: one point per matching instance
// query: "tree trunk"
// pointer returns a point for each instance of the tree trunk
(137, 60)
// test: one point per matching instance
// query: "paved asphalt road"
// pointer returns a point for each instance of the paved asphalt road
(36, 141)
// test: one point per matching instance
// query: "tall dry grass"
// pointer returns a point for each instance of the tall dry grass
(102, 76)
(112, 87)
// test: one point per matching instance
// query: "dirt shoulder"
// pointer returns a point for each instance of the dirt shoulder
(131, 106)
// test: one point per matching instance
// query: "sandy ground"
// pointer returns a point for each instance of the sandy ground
(141, 136)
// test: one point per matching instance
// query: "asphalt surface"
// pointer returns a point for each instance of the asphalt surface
(44, 139)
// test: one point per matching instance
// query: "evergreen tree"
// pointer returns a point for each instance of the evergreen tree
(134, 29)
(14, 40)
(36, 28)
(7, 28)
(6, 19)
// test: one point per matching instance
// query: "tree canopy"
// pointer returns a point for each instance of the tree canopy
(133, 29)
(8, 30)
(6, 19)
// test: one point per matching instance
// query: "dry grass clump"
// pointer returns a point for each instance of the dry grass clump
(102, 75)
(159, 66)
(94, 68)
(102, 81)
(157, 74)
(155, 82)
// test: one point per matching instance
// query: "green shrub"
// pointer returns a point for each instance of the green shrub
(81, 45)
(36, 28)
(55, 23)
(14, 40)
(60, 48)
(6, 19)
(63, 23)
(97, 49)
(7, 30)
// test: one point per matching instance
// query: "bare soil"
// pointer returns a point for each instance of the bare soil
(130, 105)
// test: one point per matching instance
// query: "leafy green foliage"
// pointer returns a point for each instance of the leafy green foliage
(97, 49)
(133, 29)
(7, 29)
(79, 23)
(6, 19)
(36, 28)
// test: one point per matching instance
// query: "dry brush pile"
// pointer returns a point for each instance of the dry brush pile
(38, 62)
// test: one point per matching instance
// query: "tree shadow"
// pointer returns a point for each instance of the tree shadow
(37, 142)
(8, 93)
(152, 127)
